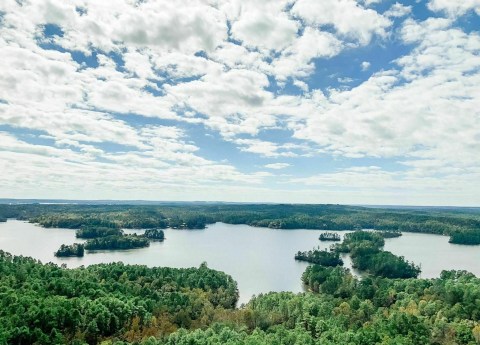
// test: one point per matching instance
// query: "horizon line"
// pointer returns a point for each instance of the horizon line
(138, 201)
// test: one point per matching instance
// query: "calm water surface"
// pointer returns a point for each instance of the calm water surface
(259, 259)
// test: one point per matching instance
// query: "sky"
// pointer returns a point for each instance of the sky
(306, 101)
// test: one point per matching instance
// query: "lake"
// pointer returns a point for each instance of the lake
(259, 259)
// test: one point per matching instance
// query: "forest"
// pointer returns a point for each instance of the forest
(48, 304)
(462, 225)
(117, 304)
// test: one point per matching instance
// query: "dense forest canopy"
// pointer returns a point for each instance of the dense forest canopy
(462, 226)
(47, 304)
(121, 304)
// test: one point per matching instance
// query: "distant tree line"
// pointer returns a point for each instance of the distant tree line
(460, 224)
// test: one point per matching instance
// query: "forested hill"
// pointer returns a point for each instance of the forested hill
(47, 304)
(463, 227)
(116, 304)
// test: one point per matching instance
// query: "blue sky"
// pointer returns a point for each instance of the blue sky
(306, 101)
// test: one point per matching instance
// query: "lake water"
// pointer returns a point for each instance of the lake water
(259, 259)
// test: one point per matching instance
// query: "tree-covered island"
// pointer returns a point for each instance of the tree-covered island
(154, 234)
(329, 236)
(76, 249)
(117, 242)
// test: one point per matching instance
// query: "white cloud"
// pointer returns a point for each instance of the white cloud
(277, 166)
(296, 60)
(408, 187)
(231, 100)
(370, 2)
(345, 80)
(237, 56)
(264, 25)
(271, 149)
(427, 110)
(139, 63)
(347, 16)
(398, 10)
(455, 8)
(301, 85)
(365, 65)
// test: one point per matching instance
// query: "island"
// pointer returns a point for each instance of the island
(465, 237)
(154, 234)
(97, 231)
(320, 257)
(366, 251)
(389, 234)
(117, 242)
(76, 249)
(329, 236)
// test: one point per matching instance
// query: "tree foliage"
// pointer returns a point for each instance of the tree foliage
(47, 304)
(97, 231)
(320, 257)
(154, 234)
(365, 248)
(117, 242)
(76, 249)
(329, 236)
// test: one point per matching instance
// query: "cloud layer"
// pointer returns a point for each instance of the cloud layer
(259, 101)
